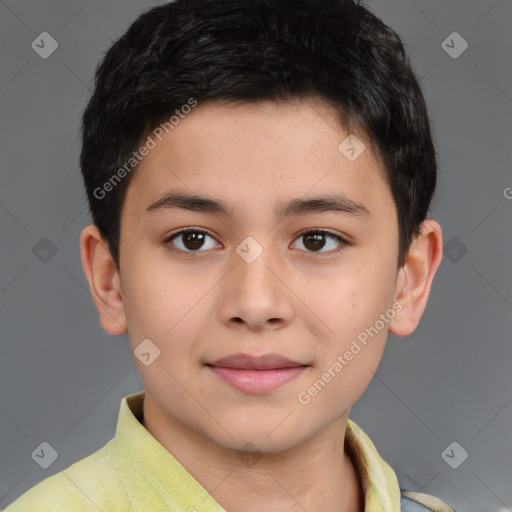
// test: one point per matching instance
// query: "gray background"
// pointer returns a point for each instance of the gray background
(62, 377)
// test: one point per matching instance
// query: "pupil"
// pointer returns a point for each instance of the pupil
(194, 239)
(318, 241)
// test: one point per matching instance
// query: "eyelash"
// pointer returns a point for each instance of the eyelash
(317, 254)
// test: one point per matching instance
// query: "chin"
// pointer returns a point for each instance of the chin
(264, 436)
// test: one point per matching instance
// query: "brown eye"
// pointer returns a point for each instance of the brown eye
(192, 240)
(315, 241)
(196, 240)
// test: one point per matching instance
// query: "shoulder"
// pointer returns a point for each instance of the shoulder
(88, 485)
(419, 502)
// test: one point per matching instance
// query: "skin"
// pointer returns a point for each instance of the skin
(304, 303)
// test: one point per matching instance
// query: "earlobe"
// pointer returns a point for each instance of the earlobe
(416, 276)
(104, 281)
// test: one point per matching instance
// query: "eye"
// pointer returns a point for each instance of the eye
(192, 240)
(318, 239)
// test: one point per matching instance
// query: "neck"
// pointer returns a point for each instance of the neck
(318, 474)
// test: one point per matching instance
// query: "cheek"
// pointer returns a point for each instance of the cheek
(348, 358)
(349, 303)
(348, 324)
(150, 301)
(167, 306)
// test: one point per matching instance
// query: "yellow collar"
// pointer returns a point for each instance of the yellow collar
(149, 469)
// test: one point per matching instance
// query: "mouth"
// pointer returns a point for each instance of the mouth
(256, 375)
(264, 362)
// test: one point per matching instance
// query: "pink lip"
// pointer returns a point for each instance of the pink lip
(257, 381)
(263, 362)
(256, 374)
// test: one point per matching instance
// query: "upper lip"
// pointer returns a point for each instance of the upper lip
(263, 362)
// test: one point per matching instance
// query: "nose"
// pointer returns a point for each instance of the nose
(255, 295)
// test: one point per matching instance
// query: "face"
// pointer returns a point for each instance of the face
(305, 282)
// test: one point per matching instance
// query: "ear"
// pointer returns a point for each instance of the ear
(415, 277)
(104, 280)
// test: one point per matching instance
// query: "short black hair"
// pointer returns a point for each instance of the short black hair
(254, 50)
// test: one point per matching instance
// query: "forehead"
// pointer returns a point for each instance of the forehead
(255, 155)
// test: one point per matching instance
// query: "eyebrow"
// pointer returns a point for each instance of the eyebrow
(338, 203)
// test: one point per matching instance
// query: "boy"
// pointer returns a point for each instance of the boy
(259, 174)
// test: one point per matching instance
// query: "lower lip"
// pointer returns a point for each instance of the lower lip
(257, 381)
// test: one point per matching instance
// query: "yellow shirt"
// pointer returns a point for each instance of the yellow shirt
(133, 472)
